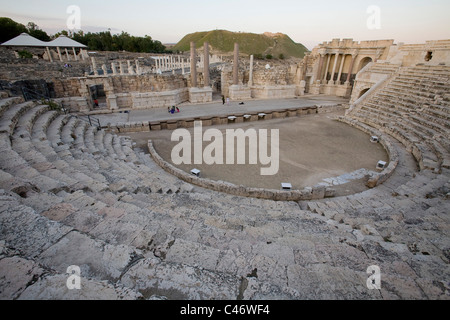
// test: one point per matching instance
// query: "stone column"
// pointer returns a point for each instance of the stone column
(334, 69)
(94, 66)
(75, 54)
(138, 69)
(121, 67)
(59, 54)
(236, 64)
(340, 70)
(250, 78)
(130, 67)
(206, 64)
(67, 54)
(351, 68)
(49, 55)
(326, 69)
(193, 66)
(113, 67)
(319, 71)
(105, 70)
(182, 66)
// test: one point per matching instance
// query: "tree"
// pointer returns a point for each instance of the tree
(34, 31)
(10, 29)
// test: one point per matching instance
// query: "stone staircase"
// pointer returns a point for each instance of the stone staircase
(71, 194)
(415, 109)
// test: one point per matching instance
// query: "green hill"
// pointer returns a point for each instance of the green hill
(249, 43)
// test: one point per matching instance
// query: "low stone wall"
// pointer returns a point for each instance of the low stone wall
(274, 92)
(384, 139)
(158, 99)
(214, 120)
(200, 95)
(75, 104)
(309, 193)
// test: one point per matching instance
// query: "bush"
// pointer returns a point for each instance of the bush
(269, 57)
(281, 56)
(53, 105)
(24, 54)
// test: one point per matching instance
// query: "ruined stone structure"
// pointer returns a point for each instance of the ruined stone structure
(76, 194)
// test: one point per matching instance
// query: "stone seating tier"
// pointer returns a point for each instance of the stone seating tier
(70, 192)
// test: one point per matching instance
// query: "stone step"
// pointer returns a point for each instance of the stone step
(12, 115)
(6, 103)
(26, 122)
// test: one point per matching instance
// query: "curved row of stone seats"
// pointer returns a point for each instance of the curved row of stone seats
(59, 129)
(425, 154)
(55, 157)
(116, 219)
(169, 244)
(50, 244)
(12, 163)
(384, 68)
(5, 103)
(412, 108)
(124, 223)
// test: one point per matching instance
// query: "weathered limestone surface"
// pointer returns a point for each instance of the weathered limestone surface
(74, 195)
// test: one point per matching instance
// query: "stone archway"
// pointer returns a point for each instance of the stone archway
(362, 92)
(364, 62)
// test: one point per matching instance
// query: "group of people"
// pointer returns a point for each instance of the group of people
(173, 109)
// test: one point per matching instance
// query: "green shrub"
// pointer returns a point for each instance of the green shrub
(269, 57)
(24, 54)
(53, 105)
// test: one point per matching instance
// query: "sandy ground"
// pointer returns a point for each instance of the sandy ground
(312, 148)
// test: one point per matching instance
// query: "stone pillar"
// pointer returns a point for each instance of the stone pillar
(351, 68)
(340, 70)
(236, 64)
(82, 54)
(105, 70)
(250, 78)
(206, 64)
(121, 67)
(67, 54)
(182, 66)
(49, 55)
(193, 66)
(94, 66)
(138, 69)
(113, 67)
(59, 54)
(130, 67)
(326, 69)
(334, 69)
(319, 72)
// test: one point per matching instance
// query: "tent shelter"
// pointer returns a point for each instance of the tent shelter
(25, 40)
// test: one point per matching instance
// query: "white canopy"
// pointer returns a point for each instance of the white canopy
(65, 42)
(25, 40)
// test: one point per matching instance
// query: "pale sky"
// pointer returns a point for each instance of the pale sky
(309, 22)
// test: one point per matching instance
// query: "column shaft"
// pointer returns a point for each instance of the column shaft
(351, 68)
(236, 64)
(206, 64)
(334, 68)
(326, 69)
(193, 66)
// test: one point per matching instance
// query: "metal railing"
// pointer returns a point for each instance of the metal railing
(29, 94)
